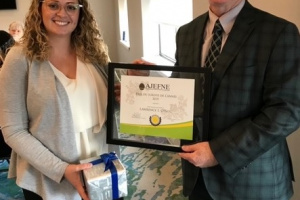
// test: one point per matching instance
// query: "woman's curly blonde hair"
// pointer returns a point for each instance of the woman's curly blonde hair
(86, 38)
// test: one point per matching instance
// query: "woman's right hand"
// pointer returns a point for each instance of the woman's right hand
(142, 62)
(117, 91)
(73, 175)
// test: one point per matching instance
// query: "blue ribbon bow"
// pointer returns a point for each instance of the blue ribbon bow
(107, 160)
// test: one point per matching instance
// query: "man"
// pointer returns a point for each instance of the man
(6, 42)
(255, 104)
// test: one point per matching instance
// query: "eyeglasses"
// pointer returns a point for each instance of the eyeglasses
(70, 8)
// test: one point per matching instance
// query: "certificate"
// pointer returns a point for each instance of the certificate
(155, 111)
(157, 106)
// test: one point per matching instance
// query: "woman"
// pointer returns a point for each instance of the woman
(16, 29)
(53, 105)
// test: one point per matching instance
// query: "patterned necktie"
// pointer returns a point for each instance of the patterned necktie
(213, 53)
(215, 47)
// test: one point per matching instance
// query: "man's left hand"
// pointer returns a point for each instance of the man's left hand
(199, 155)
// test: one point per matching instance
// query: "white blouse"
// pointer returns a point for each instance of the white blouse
(83, 98)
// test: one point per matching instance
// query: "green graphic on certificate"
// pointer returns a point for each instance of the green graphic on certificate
(157, 106)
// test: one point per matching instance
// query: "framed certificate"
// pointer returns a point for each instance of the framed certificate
(159, 106)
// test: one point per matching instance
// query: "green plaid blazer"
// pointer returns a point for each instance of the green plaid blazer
(255, 105)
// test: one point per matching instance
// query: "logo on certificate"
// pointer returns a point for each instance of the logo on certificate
(155, 120)
(142, 86)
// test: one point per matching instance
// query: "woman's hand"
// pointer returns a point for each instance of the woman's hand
(73, 175)
(117, 91)
(142, 62)
(134, 72)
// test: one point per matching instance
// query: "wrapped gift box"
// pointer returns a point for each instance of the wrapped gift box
(106, 180)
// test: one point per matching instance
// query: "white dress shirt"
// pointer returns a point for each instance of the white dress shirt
(227, 20)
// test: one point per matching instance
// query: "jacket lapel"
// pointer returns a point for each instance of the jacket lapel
(198, 39)
(239, 34)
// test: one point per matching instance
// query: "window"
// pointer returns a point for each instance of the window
(123, 19)
(167, 45)
(161, 20)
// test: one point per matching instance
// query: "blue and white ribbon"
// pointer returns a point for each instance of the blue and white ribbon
(109, 165)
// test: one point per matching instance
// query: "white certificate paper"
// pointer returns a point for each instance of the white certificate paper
(157, 106)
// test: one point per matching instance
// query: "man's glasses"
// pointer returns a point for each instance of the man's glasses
(70, 8)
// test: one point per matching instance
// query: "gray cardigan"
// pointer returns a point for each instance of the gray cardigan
(36, 121)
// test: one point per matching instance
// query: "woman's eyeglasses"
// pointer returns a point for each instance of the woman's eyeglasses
(70, 8)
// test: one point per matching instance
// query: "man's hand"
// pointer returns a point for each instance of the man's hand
(72, 174)
(199, 155)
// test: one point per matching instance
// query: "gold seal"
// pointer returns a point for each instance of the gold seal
(155, 120)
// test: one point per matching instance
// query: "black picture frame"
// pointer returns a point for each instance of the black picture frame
(8, 5)
(113, 134)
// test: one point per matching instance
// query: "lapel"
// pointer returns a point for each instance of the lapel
(240, 32)
(194, 37)
(197, 39)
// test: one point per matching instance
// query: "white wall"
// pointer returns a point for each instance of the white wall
(135, 34)
(8, 16)
(105, 15)
(287, 9)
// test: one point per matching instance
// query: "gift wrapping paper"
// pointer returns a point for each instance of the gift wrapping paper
(99, 181)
